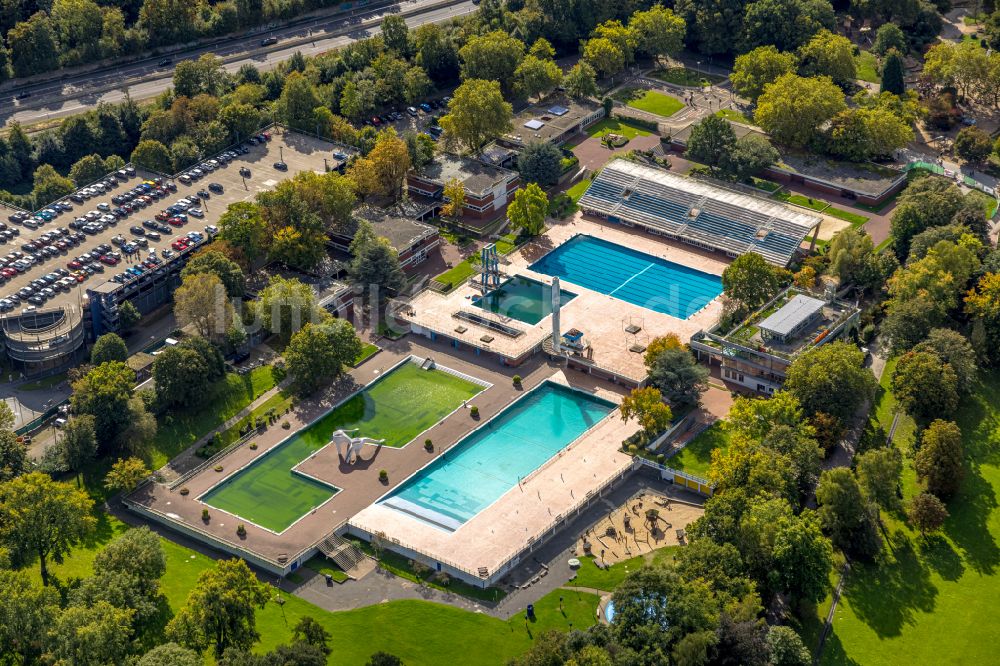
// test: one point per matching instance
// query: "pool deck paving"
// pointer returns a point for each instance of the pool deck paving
(602, 318)
(359, 483)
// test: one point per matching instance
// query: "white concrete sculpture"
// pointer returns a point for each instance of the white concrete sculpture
(349, 448)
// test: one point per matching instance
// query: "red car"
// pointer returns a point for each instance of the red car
(162, 216)
(175, 221)
(74, 265)
(109, 260)
(267, 135)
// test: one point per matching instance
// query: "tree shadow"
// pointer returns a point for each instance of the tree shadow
(833, 652)
(968, 527)
(884, 595)
(938, 554)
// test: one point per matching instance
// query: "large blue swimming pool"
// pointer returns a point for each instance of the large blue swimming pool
(630, 275)
(492, 459)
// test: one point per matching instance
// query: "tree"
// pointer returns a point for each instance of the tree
(892, 74)
(436, 52)
(168, 21)
(983, 303)
(152, 155)
(318, 352)
(658, 32)
(540, 162)
(396, 35)
(756, 69)
(845, 514)
(240, 120)
(606, 57)
(28, 613)
(675, 372)
(927, 513)
(831, 379)
(357, 99)
(297, 101)
(785, 24)
(713, 25)
(751, 280)
(453, 194)
(537, 77)
(793, 107)
(78, 444)
(940, 459)
(14, 459)
(924, 386)
(388, 163)
(711, 141)
(220, 611)
(216, 263)
(87, 169)
(92, 636)
(752, 153)
(476, 114)
(285, 305)
(580, 81)
(181, 376)
(416, 85)
(308, 630)
(108, 347)
(954, 349)
(785, 647)
(128, 316)
(493, 56)
(375, 266)
(126, 474)
(528, 209)
(889, 36)
(104, 392)
(878, 474)
(171, 654)
(867, 133)
(647, 407)
(202, 76)
(201, 301)
(973, 144)
(49, 186)
(42, 518)
(829, 54)
(243, 226)
(33, 46)
(852, 259)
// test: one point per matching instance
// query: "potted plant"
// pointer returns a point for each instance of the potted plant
(205, 516)
(383, 476)
(184, 490)
(241, 531)
(517, 381)
(474, 412)
(428, 445)
(218, 468)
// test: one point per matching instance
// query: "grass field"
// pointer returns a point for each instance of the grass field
(367, 351)
(46, 383)
(589, 575)
(735, 116)
(650, 101)
(178, 430)
(696, 457)
(933, 600)
(867, 67)
(422, 633)
(823, 207)
(578, 189)
(615, 126)
(397, 408)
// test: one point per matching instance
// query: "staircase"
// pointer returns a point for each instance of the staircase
(428, 364)
(344, 554)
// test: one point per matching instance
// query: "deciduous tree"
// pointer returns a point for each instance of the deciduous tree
(318, 352)
(493, 56)
(581, 81)
(754, 70)
(647, 407)
(477, 114)
(152, 155)
(751, 280)
(528, 209)
(940, 459)
(658, 32)
(793, 107)
(229, 272)
(125, 474)
(108, 347)
(41, 518)
(243, 226)
(104, 392)
(540, 162)
(831, 379)
(202, 302)
(28, 613)
(924, 386)
(537, 77)
(846, 515)
(927, 513)
(829, 54)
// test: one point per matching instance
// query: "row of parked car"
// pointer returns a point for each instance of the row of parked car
(220, 160)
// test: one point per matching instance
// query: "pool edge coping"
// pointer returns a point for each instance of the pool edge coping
(411, 358)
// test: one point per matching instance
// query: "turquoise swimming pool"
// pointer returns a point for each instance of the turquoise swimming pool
(630, 275)
(492, 459)
(523, 299)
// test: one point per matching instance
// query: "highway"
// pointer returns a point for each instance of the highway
(146, 79)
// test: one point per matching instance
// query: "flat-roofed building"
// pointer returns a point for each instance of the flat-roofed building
(488, 189)
(413, 240)
(555, 119)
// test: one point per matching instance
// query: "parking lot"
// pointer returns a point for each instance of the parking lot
(298, 152)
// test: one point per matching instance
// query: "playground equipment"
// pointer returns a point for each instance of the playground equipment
(348, 446)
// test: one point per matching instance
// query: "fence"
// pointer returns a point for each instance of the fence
(948, 173)
(703, 487)
(213, 460)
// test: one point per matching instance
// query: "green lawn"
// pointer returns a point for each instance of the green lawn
(651, 101)
(682, 76)
(867, 67)
(397, 408)
(934, 600)
(367, 351)
(578, 189)
(459, 273)
(46, 383)
(823, 207)
(735, 116)
(589, 575)
(324, 567)
(422, 633)
(696, 457)
(615, 126)
(179, 429)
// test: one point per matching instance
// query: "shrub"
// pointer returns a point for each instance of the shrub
(253, 446)
(184, 490)
(517, 380)
(428, 445)
(474, 411)
(241, 530)
(633, 449)
(383, 475)
(218, 468)
(286, 425)
(205, 515)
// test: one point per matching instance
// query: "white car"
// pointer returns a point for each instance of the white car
(103, 206)
(211, 230)
(196, 212)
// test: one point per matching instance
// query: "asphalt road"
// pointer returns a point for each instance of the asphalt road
(147, 79)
